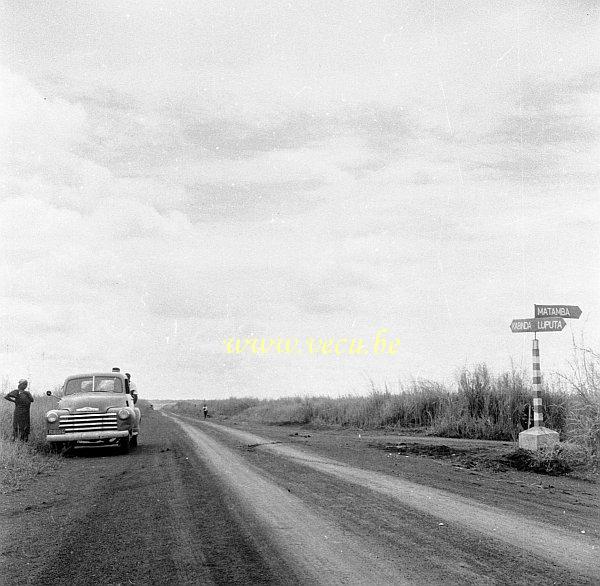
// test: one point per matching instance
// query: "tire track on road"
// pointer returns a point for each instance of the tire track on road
(580, 553)
(320, 551)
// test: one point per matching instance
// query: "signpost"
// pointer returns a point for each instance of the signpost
(538, 324)
(569, 311)
(548, 318)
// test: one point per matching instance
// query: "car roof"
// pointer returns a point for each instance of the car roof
(89, 374)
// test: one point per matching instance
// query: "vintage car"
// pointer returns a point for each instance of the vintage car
(95, 408)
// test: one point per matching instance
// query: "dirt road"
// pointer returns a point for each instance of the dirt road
(199, 503)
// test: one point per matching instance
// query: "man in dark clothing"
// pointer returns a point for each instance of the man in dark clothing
(205, 411)
(22, 400)
(132, 388)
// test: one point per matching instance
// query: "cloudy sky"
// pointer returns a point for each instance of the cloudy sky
(175, 174)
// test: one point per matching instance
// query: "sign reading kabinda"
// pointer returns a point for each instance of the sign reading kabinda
(555, 324)
(570, 311)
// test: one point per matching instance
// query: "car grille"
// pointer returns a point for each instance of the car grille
(88, 422)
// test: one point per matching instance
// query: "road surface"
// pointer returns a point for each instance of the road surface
(205, 503)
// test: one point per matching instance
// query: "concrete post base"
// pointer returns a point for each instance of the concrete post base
(537, 437)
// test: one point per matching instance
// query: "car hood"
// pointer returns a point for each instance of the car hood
(92, 402)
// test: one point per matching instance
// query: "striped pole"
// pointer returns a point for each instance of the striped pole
(538, 416)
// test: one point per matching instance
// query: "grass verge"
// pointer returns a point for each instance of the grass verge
(480, 406)
(21, 462)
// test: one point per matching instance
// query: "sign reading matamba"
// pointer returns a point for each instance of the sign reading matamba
(570, 311)
(554, 324)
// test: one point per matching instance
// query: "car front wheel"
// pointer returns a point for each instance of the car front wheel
(56, 447)
(125, 444)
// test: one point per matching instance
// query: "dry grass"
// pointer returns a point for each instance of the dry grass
(561, 458)
(21, 462)
(583, 413)
(480, 406)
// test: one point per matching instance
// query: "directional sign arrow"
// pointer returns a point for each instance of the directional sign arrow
(537, 324)
(571, 311)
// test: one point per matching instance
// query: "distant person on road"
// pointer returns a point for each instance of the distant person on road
(205, 411)
(22, 400)
(132, 388)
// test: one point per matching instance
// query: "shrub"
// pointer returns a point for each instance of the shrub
(582, 414)
(482, 406)
(559, 459)
(20, 462)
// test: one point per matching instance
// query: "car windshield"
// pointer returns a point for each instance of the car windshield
(94, 384)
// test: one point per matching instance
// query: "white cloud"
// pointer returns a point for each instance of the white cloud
(32, 123)
(196, 171)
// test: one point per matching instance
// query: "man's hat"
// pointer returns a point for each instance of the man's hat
(23, 380)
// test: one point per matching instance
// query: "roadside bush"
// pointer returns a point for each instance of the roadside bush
(582, 417)
(286, 411)
(20, 462)
(474, 390)
(220, 408)
(560, 459)
(482, 406)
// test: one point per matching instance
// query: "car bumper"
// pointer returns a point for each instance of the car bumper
(86, 436)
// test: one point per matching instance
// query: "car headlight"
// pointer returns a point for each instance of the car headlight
(52, 417)
(123, 414)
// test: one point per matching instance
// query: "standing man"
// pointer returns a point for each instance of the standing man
(132, 388)
(205, 411)
(22, 400)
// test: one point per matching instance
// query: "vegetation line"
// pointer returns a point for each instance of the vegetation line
(481, 406)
